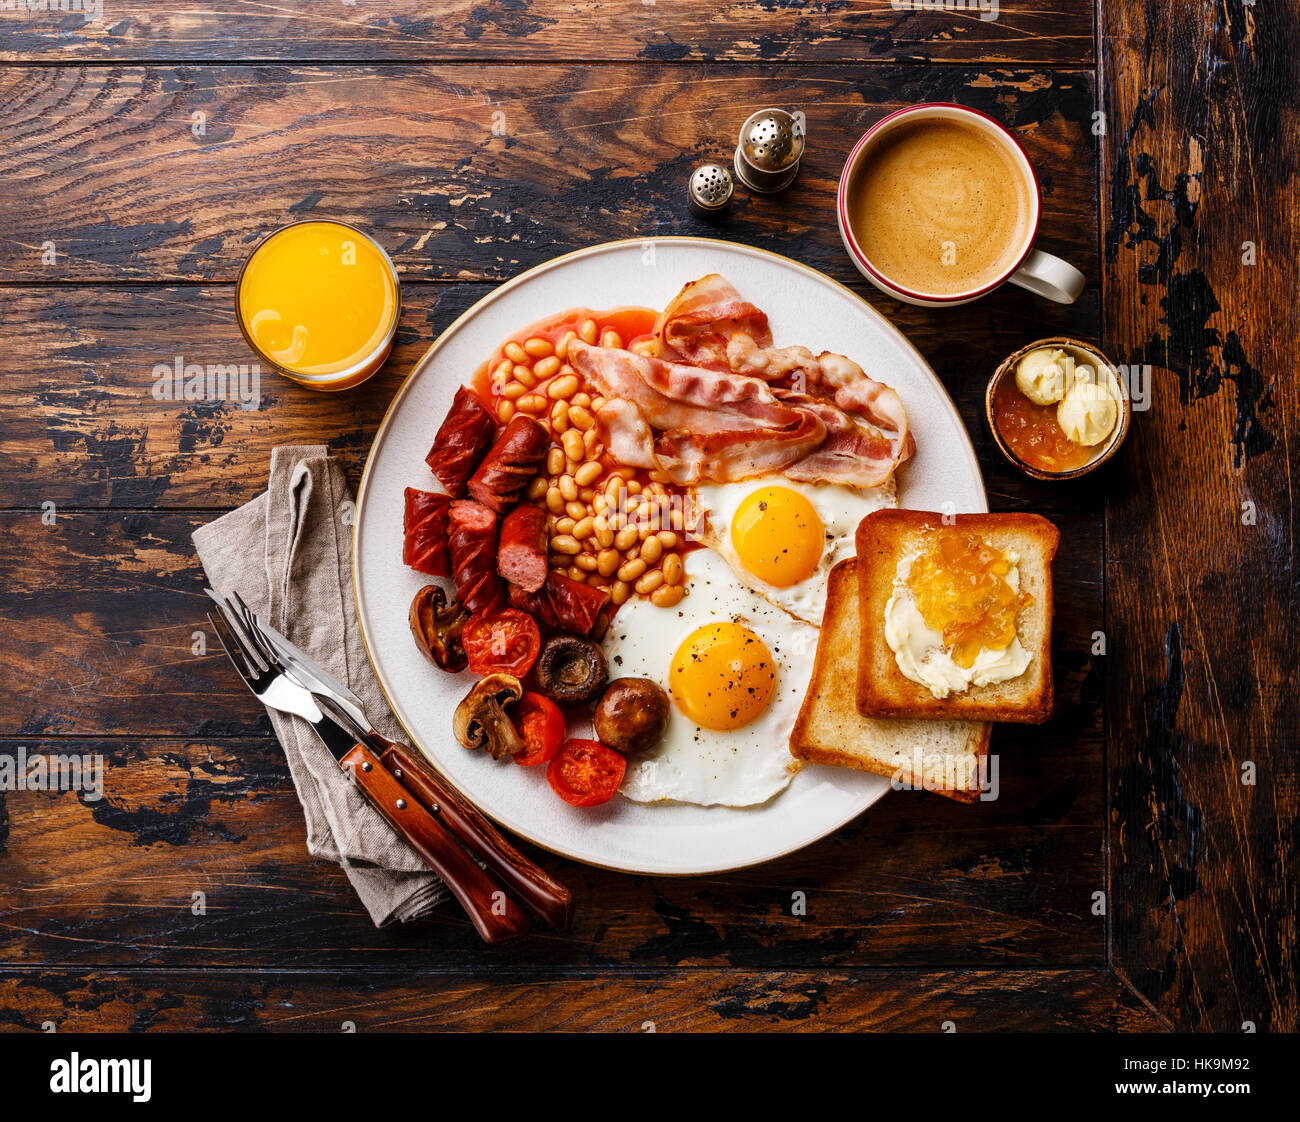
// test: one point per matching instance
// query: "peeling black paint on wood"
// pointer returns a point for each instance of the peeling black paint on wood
(1203, 108)
(1203, 357)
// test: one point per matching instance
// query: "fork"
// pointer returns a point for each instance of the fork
(497, 917)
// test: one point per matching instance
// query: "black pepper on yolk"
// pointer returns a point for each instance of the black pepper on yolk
(722, 676)
(778, 535)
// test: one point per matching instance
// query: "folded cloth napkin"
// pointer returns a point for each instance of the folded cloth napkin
(288, 554)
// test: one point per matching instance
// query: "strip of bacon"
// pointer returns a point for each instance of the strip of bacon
(703, 318)
(844, 381)
(630, 440)
(710, 424)
(673, 396)
(854, 453)
(709, 324)
(689, 457)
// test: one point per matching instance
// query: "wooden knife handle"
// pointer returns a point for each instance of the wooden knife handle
(552, 901)
(495, 915)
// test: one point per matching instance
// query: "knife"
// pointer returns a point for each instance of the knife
(537, 889)
(389, 773)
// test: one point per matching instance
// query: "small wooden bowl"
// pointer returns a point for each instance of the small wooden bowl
(1104, 451)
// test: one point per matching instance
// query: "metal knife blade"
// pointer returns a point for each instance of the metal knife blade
(341, 703)
(316, 678)
(289, 696)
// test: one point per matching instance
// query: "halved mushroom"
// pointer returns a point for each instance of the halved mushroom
(481, 720)
(571, 669)
(436, 626)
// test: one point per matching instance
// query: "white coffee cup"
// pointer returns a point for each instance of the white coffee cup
(1032, 269)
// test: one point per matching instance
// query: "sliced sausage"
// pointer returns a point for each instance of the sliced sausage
(521, 559)
(510, 463)
(424, 530)
(472, 542)
(466, 433)
(562, 603)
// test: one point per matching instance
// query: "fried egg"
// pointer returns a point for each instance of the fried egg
(781, 538)
(736, 669)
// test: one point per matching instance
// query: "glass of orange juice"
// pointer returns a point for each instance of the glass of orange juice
(319, 302)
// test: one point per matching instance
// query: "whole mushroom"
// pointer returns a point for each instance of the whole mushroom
(632, 715)
(481, 720)
(570, 669)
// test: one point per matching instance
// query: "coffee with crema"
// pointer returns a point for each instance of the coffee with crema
(940, 207)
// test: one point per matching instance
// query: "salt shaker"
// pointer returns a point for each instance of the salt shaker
(709, 190)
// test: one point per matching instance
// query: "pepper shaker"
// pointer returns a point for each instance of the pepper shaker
(771, 146)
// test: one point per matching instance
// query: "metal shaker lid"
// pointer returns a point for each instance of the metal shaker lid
(771, 146)
(709, 190)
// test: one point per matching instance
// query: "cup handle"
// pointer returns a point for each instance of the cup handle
(1049, 276)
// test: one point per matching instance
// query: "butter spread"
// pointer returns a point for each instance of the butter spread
(1045, 375)
(1088, 412)
(922, 655)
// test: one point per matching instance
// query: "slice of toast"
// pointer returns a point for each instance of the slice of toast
(939, 756)
(886, 536)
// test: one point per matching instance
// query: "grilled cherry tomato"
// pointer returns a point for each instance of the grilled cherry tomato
(541, 724)
(586, 773)
(502, 641)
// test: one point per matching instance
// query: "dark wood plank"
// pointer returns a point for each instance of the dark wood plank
(916, 880)
(128, 192)
(593, 1001)
(859, 31)
(102, 605)
(1203, 106)
(83, 429)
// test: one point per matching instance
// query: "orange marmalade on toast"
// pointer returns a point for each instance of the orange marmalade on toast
(951, 619)
(961, 591)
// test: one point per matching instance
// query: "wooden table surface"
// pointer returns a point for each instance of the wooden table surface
(1138, 870)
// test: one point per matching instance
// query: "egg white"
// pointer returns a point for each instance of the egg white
(741, 767)
(839, 508)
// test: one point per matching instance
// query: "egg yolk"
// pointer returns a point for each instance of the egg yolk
(961, 590)
(722, 676)
(778, 536)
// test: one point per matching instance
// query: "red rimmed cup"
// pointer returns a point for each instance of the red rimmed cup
(1030, 268)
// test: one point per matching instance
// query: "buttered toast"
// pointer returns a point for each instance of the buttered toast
(885, 538)
(941, 756)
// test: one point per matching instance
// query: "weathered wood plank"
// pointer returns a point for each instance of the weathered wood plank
(859, 31)
(916, 880)
(1200, 235)
(99, 616)
(159, 173)
(592, 1001)
(82, 429)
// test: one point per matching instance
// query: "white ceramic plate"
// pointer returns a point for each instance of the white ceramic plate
(804, 307)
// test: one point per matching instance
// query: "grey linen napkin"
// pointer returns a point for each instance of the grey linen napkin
(288, 554)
